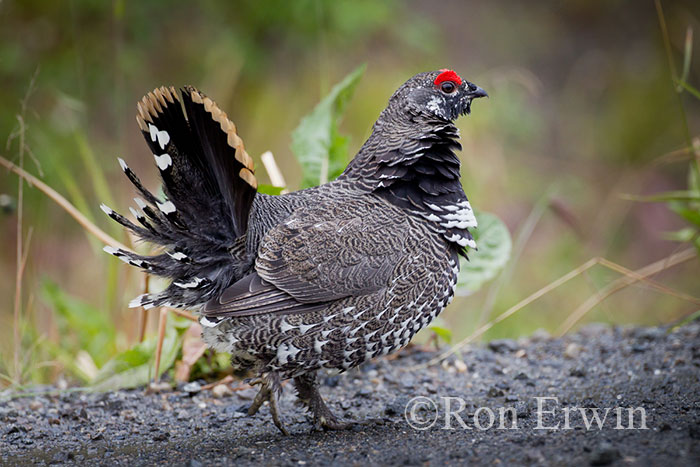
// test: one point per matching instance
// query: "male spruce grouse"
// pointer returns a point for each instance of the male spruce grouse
(327, 277)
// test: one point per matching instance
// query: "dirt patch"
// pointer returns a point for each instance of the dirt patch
(598, 368)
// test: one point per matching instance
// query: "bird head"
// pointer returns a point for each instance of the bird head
(442, 94)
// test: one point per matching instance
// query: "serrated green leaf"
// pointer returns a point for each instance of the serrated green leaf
(317, 144)
(494, 247)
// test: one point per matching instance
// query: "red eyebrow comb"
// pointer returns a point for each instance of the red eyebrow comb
(447, 75)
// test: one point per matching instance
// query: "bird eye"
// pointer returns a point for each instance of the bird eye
(448, 87)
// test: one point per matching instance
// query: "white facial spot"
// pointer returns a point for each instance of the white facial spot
(435, 105)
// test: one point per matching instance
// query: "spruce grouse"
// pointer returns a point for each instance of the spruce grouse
(327, 277)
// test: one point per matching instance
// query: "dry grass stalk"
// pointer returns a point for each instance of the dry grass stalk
(64, 203)
(20, 255)
(143, 313)
(273, 170)
(629, 277)
(162, 321)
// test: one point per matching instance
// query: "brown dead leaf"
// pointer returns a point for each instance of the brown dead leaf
(192, 349)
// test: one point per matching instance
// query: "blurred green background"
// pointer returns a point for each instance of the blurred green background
(582, 111)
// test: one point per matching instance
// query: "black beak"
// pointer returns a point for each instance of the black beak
(475, 91)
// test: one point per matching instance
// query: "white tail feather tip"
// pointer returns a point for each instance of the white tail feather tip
(140, 203)
(163, 161)
(138, 301)
(166, 208)
(106, 209)
(111, 250)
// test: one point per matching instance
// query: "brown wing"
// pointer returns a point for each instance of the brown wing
(317, 255)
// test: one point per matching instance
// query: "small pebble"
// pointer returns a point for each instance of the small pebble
(221, 390)
(192, 388)
(604, 454)
(540, 335)
(573, 350)
(503, 345)
(495, 392)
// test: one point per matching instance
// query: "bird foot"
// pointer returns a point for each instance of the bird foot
(269, 390)
(307, 391)
(325, 420)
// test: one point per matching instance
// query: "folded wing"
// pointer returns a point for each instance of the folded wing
(317, 255)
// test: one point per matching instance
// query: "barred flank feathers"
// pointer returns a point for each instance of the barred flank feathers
(209, 184)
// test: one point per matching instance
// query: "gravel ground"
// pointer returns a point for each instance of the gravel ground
(599, 367)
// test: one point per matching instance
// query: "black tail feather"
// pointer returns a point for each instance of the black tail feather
(209, 184)
(225, 158)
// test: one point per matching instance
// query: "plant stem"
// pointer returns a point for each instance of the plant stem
(65, 204)
(20, 254)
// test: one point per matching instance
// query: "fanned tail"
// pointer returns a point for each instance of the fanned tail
(209, 186)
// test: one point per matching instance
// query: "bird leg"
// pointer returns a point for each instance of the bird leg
(270, 388)
(307, 392)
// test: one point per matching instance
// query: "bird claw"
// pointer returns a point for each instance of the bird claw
(269, 389)
(329, 422)
(307, 389)
(253, 381)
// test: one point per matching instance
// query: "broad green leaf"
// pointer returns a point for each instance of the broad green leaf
(317, 144)
(136, 366)
(83, 326)
(270, 190)
(494, 245)
(443, 333)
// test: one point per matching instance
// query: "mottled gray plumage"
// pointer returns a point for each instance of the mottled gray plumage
(327, 277)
